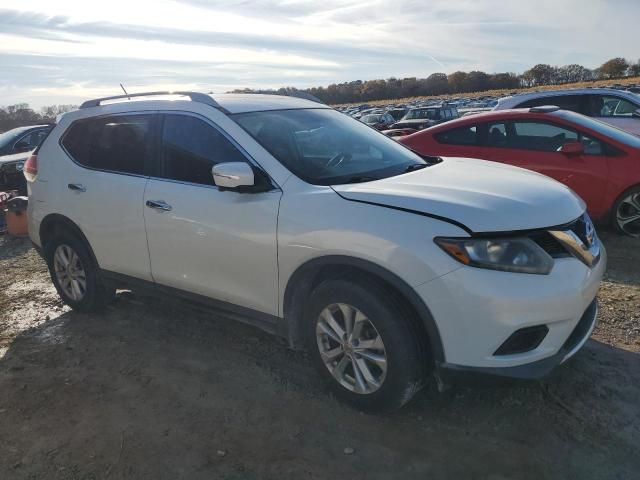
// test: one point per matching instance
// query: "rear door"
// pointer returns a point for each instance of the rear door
(102, 187)
(533, 145)
(220, 244)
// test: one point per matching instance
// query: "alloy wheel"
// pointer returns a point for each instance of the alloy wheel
(628, 214)
(70, 272)
(351, 348)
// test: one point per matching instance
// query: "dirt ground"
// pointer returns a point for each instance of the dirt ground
(159, 390)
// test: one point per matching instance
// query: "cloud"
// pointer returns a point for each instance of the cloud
(214, 44)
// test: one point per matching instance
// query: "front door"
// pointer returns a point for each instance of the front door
(220, 244)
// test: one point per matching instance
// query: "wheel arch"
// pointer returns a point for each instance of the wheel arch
(310, 274)
(54, 223)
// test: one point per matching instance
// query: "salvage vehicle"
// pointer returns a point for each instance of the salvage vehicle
(599, 162)
(286, 214)
(615, 107)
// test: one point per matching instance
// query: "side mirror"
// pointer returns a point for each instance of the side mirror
(572, 148)
(636, 113)
(233, 175)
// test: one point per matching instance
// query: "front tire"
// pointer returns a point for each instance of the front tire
(361, 340)
(75, 273)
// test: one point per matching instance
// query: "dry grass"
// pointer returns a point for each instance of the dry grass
(596, 83)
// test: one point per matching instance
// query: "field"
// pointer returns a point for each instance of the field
(158, 390)
(502, 93)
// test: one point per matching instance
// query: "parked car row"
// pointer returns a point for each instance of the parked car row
(618, 105)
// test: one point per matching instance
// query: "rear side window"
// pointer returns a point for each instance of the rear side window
(115, 143)
(191, 147)
(467, 135)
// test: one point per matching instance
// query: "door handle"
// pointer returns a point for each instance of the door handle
(77, 187)
(159, 205)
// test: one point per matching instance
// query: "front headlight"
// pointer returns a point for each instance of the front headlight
(520, 254)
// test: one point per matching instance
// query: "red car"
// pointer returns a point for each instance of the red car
(599, 162)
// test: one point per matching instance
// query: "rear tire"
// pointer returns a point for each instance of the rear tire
(625, 216)
(381, 364)
(75, 273)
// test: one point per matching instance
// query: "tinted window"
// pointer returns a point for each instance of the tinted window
(33, 139)
(459, 136)
(497, 135)
(117, 143)
(610, 106)
(191, 147)
(540, 136)
(566, 102)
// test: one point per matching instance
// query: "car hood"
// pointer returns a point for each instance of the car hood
(16, 157)
(483, 196)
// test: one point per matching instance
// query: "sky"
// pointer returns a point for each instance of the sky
(63, 51)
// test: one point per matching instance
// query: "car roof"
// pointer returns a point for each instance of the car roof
(483, 117)
(229, 103)
(251, 102)
(507, 102)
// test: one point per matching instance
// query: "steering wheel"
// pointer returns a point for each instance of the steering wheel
(336, 160)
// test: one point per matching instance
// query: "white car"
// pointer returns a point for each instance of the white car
(291, 216)
(615, 107)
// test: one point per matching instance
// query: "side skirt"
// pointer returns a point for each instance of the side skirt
(264, 321)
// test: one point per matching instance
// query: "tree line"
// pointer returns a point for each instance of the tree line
(463, 82)
(21, 114)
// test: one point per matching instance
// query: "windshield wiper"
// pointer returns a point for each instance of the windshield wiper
(359, 179)
(415, 166)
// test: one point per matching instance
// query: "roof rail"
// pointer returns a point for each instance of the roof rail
(194, 96)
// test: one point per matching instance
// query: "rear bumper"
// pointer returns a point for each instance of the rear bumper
(451, 373)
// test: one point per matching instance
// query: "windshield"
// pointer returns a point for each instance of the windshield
(422, 113)
(9, 137)
(602, 128)
(325, 147)
(371, 118)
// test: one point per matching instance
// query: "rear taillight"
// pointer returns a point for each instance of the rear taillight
(31, 168)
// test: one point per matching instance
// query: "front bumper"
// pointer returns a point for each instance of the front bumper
(477, 310)
(538, 369)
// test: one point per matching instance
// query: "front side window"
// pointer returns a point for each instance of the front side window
(324, 147)
(466, 135)
(114, 143)
(610, 106)
(31, 140)
(540, 136)
(191, 147)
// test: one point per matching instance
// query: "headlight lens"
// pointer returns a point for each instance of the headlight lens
(520, 255)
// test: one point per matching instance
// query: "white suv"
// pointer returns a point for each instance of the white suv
(289, 215)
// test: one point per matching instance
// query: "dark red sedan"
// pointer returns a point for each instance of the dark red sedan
(599, 162)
